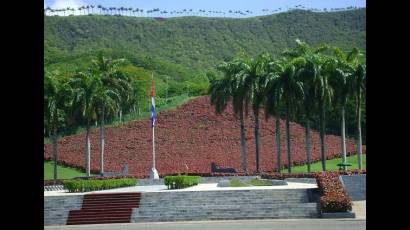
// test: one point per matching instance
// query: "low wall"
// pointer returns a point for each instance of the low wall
(355, 186)
(56, 208)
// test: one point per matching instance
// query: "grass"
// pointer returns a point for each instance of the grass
(62, 171)
(258, 182)
(238, 183)
(331, 165)
(253, 182)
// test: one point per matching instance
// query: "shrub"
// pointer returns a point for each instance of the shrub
(79, 185)
(178, 182)
(334, 197)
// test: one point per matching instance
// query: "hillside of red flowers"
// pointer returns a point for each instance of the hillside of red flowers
(188, 139)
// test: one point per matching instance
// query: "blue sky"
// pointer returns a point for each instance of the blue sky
(255, 6)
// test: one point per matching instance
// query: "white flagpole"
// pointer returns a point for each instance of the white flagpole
(153, 147)
(154, 173)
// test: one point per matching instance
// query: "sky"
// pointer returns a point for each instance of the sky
(255, 6)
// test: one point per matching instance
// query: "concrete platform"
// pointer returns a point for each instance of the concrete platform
(199, 187)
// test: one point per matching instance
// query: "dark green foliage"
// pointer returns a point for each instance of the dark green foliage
(178, 182)
(93, 185)
(199, 43)
(182, 53)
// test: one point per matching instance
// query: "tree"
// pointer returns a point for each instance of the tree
(86, 86)
(235, 87)
(359, 90)
(292, 91)
(272, 104)
(111, 93)
(253, 70)
(307, 74)
(342, 69)
(56, 99)
(322, 90)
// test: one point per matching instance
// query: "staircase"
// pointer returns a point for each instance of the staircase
(102, 208)
(224, 205)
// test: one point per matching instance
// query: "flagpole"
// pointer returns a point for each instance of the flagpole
(153, 147)
(154, 173)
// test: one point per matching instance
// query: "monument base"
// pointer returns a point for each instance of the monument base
(154, 174)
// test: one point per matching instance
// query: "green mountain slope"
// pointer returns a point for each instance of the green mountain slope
(180, 51)
(198, 42)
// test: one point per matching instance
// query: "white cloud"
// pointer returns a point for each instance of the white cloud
(61, 4)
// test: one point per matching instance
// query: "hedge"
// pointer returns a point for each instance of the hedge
(178, 182)
(98, 184)
(334, 197)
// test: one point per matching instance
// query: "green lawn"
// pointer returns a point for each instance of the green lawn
(330, 165)
(253, 182)
(62, 171)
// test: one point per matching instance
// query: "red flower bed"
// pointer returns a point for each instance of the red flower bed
(334, 197)
(188, 140)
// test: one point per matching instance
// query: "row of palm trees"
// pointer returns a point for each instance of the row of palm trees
(100, 92)
(156, 12)
(304, 80)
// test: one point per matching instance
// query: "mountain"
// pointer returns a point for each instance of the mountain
(198, 42)
(189, 139)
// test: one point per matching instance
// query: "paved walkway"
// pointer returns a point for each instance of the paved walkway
(359, 207)
(200, 187)
(288, 224)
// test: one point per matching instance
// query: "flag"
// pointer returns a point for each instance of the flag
(153, 114)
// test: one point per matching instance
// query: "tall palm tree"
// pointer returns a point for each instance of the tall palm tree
(56, 100)
(114, 89)
(322, 90)
(359, 90)
(86, 86)
(272, 104)
(254, 69)
(307, 74)
(292, 91)
(235, 87)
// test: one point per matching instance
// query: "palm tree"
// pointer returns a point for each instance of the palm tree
(113, 88)
(86, 86)
(272, 104)
(359, 90)
(235, 87)
(307, 74)
(56, 98)
(292, 91)
(322, 90)
(254, 70)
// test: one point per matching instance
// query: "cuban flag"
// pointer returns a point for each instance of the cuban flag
(153, 114)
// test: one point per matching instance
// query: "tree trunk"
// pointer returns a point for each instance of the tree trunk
(243, 144)
(257, 139)
(343, 137)
(102, 140)
(288, 141)
(120, 115)
(359, 132)
(322, 136)
(308, 144)
(88, 150)
(278, 150)
(54, 139)
(55, 154)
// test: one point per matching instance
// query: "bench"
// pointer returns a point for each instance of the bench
(342, 166)
(216, 169)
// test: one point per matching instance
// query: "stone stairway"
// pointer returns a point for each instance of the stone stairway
(224, 205)
(102, 208)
